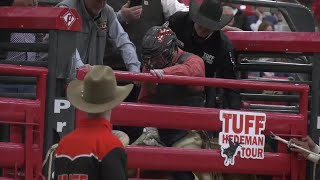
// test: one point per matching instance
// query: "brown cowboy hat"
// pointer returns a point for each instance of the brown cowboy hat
(98, 92)
(209, 14)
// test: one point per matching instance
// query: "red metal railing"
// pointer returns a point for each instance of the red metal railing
(46, 18)
(280, 164)
(21, 157)
(246, 41)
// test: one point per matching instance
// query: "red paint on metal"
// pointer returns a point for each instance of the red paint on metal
(27, 114)
(198, 81)
(40, 18)
(283, 42)
(13, 153)
(186, 118)
(155, 158)
(161, 116)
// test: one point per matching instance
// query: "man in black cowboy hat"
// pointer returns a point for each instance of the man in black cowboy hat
(200, 31)
(93, 151)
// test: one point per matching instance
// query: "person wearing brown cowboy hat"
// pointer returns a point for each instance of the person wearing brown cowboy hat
(200, 31)
(92, 151)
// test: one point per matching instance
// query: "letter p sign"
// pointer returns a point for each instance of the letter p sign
(60, 104)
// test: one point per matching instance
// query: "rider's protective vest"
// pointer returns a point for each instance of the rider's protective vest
(179, 95)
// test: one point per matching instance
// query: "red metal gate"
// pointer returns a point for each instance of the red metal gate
(281, 165)
(22, 155)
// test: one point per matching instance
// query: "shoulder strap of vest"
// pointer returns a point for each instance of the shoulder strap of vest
(184, 57)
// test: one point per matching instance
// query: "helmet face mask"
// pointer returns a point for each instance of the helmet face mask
(156, 62)
(158, 47)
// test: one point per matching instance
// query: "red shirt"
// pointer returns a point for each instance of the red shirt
(91, 152)
(193, 66)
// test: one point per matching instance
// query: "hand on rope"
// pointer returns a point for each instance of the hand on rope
(149, 137)
(307, 143)
(306, 147)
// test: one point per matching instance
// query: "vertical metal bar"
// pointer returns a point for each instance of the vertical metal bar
(62, 46)
(314, 132)
(297, 164)
(51, 84)
(303, 109)
(30, 116)
(41, 97)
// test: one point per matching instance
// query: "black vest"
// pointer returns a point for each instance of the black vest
(179, 95)
(152, 15)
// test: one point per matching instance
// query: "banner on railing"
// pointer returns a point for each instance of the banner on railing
(241, 134)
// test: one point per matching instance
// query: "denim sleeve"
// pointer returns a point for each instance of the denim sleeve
(120, 40)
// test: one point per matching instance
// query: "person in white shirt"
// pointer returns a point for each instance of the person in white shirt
(261, 15)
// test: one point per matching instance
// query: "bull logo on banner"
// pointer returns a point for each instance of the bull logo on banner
(230, 152)
(242, 134)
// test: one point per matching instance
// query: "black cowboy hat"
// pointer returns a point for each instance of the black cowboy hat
(209, 14)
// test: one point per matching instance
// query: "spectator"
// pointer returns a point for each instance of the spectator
(162, 56)
(99, 22)
(200, 31)
(255, 20)
(308, 144)
(92, 151)
(266, 26)
(239, 18)
(228, 11)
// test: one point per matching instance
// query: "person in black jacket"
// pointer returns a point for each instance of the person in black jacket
(92, 151)
(200, 31)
